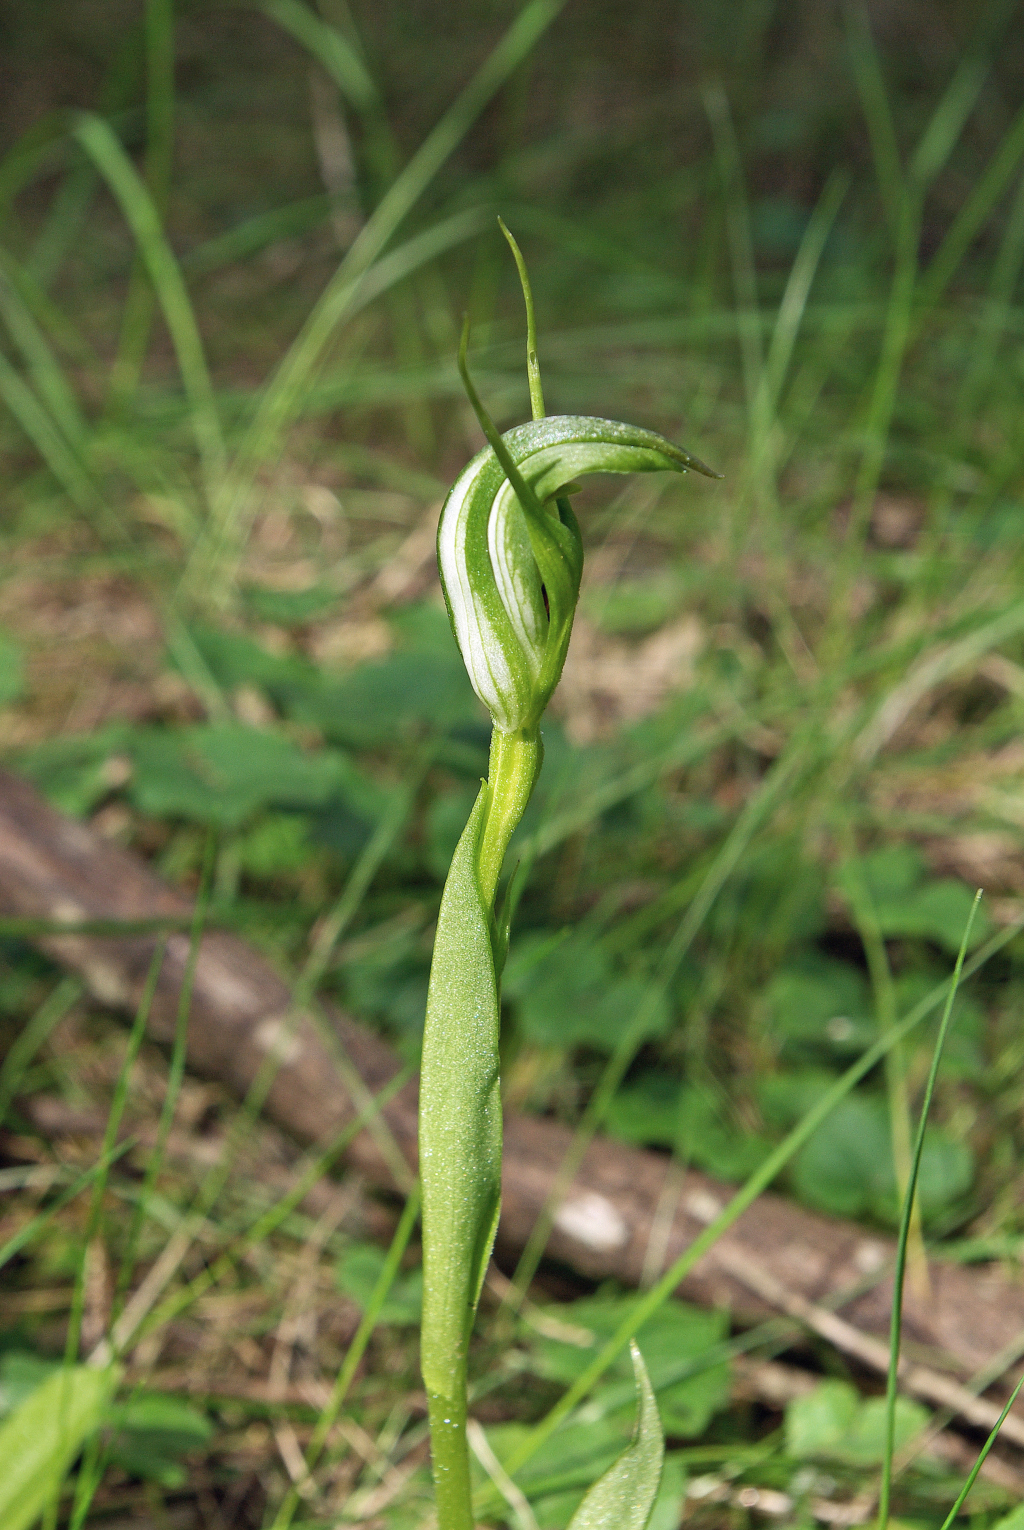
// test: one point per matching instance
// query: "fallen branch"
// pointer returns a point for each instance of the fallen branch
(55, 869)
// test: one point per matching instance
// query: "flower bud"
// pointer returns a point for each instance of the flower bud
(511, 570)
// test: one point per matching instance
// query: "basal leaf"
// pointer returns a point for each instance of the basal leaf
(460, 1117)
(42, 1437)
(623, 1498)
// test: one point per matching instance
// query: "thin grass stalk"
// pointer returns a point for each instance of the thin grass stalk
(175, 1078)
(142, 216)
(1005, 276)
(368, 1114)
(933, 149)
(94, 1219)
(874, 101)
(982, 1455)
(52, 446)
(24, 1236)
(884, 993)
(907, 1222)
(51, 384)
(141, 1319)
(334, 924)
(971, 218)
(137, 317)
(32, 1036)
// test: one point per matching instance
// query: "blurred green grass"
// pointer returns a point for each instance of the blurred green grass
(788, 747)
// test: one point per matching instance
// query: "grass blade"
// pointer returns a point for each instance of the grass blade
(27, 1044)
(45, 371)
(257, 233)
(137, 318)
(24, 1235)
(753, 818)
(49, 442)
(118, 1103)
(970, 219)
(285, 389)
(874, 100)
(98, 139)
(976, 1468)
(906, 1220)
(176, 1074)
(331, 48)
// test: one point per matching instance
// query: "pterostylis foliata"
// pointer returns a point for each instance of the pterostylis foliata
(511, 558)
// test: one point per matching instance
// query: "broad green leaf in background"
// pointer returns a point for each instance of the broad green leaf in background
(846, 1167)
(656, 1110)
(223, 773)
(1012, 1521)
(573, 997)
(675, 1337)
(276, 844)
(623, 1498)
(76, 773)
(358, 1272)
(420, 687)
(20, 1373)
(42, 1436)
(820, 1003)
(151, 1432)
(911, 906)
(12, 669)
(834, 1423)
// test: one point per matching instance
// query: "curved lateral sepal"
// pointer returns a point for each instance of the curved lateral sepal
(623, 1498)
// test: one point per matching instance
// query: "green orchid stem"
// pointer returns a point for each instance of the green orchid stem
(512, 774)
(460, 1110)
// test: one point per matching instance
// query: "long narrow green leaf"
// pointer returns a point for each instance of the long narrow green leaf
(31, 154)
(137, 315)
(980, 1462)
(288, 383)
(48, 441)
(623, 1498)
(97, 138)
(906, 1222)
(19, 1240)
(44, 369)
(255, 234)
(329, 47)
(867, 74)
(958, 100)
(27, 1043)
(970, 219)
(798, 284)
(52, 320)
(417, 252)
